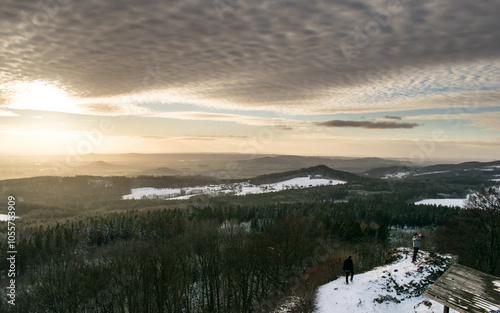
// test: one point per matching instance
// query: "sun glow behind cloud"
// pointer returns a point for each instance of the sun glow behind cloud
(407, 89)
(41, 96)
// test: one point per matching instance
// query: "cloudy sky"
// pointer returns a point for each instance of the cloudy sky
(412, 79)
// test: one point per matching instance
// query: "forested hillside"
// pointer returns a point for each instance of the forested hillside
(225, 259)
(206, 259)
(61, 197)
(81, 249)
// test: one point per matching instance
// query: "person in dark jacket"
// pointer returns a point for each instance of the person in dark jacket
(348, 269)
(416, 246)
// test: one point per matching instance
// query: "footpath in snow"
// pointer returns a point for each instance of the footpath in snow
(393, 288)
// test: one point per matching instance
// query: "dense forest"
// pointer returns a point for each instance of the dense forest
(233, 259)
(219, 254)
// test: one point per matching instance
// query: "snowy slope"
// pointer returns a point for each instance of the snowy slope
(393, 288)
(238, 189)
(443, 202)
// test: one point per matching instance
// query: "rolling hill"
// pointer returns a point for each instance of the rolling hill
(467, 172)
(227, 166)
(319, 170)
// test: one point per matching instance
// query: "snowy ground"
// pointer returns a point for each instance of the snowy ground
(431, 173)
(393, 288)
(444, 202)
(4, 217)
(497, 179)
(238, 189)
(398, 175)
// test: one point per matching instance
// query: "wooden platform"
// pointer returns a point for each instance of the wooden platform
(466, 290)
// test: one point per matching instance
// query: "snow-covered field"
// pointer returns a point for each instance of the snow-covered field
(443, 202)
(431, 173)
(393, 288)
(4, 217)
(238, 189)
(398, 175)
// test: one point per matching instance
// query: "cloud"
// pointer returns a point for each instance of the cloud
(487, 121)
(282, 56)
(228, 117)
(368, 124)
(7, 113)
(393, 117)
(283, 127)
(188, 138)
(103, 109)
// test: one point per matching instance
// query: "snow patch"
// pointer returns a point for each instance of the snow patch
(139, 193)
(238, 189)
(393, 288)
(288, 306)
(5, 217)
(443, 202)
(430, 173)
(398, 175)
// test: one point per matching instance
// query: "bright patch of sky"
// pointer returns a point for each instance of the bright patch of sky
(189, 107)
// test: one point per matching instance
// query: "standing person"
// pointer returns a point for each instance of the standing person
(348, 268)
(416, 246)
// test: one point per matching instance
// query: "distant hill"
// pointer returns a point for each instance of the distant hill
(290, 162)
(99, 168)
(319, 170)
(473, 172)
(224, 166)
(98, 165)
(161, 171)
(235, 165)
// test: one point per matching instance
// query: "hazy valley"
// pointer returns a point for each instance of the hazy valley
(219, 165)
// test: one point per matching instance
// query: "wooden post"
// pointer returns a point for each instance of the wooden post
(446, 309)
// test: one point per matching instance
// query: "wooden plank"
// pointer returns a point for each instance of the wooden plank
(457, 282)
(466, 290)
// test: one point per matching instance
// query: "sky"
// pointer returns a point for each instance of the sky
(408, 79)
